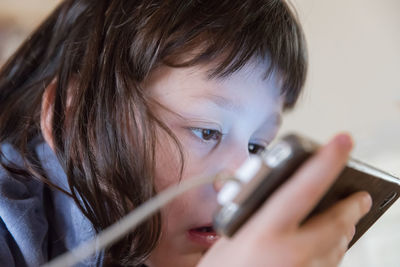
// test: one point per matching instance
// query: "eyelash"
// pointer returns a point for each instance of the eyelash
(216, 135)
(257, 148)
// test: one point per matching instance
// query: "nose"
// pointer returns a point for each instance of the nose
(235, 157)
(232, 160)
(220, 181)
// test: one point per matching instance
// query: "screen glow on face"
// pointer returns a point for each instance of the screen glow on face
(242, 109)
(219, 123)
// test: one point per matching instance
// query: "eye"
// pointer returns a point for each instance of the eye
(207, 134)
(255, 149)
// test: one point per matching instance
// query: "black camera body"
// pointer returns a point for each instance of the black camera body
(263, 174)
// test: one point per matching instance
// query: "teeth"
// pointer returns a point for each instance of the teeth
(212, 237)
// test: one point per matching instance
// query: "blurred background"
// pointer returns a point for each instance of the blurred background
(353, 85)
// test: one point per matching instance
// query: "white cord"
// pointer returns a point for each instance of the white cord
(119, 229)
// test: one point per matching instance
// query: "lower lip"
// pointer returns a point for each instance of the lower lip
(206, 239)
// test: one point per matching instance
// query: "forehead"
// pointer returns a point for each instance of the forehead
(245, 89)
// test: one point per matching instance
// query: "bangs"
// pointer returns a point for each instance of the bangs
(103, 126)
(234, 33)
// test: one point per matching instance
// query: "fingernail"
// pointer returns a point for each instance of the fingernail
(344, 140)
(367, 201)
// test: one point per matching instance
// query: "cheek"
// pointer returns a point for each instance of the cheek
(197, 159)
(168, 163)
(201, 200)
(168, 173)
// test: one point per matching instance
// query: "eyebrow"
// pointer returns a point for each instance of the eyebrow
(225, 103)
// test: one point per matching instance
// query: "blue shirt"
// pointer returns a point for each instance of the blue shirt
(38, 223)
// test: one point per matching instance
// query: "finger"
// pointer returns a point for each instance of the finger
(331, 258)
(339, 220)
(329, 234)
(295, 199)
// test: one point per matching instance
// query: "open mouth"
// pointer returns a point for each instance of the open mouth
(205, 229)
(204, 235)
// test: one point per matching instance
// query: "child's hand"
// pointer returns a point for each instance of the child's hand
(274, 237)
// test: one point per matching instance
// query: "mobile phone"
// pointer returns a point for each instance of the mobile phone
(263, 174)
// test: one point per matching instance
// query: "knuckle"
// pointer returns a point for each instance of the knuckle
(343, 244)
(344, 227)
(341, 250)
(342, 224)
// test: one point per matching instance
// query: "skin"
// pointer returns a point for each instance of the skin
(275, 238)
(246, 109)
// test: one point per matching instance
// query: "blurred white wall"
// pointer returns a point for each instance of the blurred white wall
(353, 82)
(17, 19)
(354, 85)
(26, 13)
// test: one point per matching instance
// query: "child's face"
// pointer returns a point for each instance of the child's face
(220, 122)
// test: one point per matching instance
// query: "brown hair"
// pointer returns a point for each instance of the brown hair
(105, 140)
